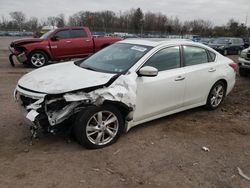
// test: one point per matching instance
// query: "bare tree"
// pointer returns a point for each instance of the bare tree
(19, 18)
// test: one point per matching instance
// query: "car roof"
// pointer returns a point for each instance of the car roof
(153, 42)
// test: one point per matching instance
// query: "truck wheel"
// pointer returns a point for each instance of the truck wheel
(243, 72)
(38, 59)
(98, 126)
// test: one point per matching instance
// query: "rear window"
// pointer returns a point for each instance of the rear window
(212, 56)
(78, 33)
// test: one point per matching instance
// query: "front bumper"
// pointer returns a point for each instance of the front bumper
(243, 63)
(21, 57)
(33, 118)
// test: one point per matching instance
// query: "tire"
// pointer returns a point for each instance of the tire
(90, 129)
(38, 59)
(216, 95)
(243, 72)
(225, 53)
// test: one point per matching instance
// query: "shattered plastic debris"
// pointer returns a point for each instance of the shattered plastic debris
(205, 149)
(242, 174)
(32, 115)
(36, 105)
(123, 90)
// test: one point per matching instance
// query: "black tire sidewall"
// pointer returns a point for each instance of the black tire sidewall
(82, 119)
(208, 104)
(38, 52)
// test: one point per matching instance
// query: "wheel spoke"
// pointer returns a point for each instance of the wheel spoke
(92, 128)
(111, 120)
(98, 138)
(94, 132)
(99, 117)
(111, 134)
(213, 100)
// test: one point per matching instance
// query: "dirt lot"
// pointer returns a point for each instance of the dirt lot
(162, 153)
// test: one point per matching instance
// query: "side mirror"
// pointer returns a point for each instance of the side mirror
(54, 38)
(229, 43)
(148, 71)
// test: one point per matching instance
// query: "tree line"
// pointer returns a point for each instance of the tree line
(132, 21)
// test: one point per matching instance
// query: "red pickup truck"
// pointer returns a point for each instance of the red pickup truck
(58, 44)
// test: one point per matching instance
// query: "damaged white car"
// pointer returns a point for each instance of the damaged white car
(123, 85)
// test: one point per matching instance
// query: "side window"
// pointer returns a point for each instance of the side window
(212, 56)
(78, 33)
(63, 34)
(194, 55)
(168, 58)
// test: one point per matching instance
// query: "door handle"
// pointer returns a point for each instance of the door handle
(179, 78)
(87, 40)
(212, 70)
(68, 41)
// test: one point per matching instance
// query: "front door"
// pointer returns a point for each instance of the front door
(62, 47)
(164, 92)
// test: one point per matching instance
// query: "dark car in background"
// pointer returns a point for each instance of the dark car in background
(246, 42)
(227, 45)
(206, 41)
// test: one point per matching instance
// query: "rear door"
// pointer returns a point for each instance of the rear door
(164, 92)
(200, 72)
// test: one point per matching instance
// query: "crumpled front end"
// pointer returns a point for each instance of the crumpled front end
(17, 51)
(49, 111)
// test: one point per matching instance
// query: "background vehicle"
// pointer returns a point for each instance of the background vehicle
(246, 42)
(226, 45)
(206, 40)
(115, 89)
(58, 44)
(244, 62)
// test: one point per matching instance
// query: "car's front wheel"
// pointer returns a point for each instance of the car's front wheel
(216, 95)
(98, 126)
(38, 59)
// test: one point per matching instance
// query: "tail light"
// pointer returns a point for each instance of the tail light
(233, 66)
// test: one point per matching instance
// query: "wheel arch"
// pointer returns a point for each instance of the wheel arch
(123, 108)
(41, 50)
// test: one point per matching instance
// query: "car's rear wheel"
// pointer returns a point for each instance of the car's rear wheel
(38, 59)
(243, 72)
(98, 126)
(216, 95)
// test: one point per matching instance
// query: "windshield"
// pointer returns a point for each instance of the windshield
(116, 58)
(221, 41)
(45, 35)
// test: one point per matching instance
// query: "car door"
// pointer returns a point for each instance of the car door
(200, 74)
(61, 44)
(81, 44)
(164, 92)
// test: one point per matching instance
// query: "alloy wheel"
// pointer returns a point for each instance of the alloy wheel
(102, 127)
(38, 59)
(217, 95)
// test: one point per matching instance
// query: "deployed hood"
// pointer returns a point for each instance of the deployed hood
(62, 77)
(26, 41)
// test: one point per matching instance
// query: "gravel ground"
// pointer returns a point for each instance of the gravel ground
(162, 153)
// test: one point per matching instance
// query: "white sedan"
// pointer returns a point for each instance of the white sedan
(123, 85)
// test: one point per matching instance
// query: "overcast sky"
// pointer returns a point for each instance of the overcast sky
(217, 11)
